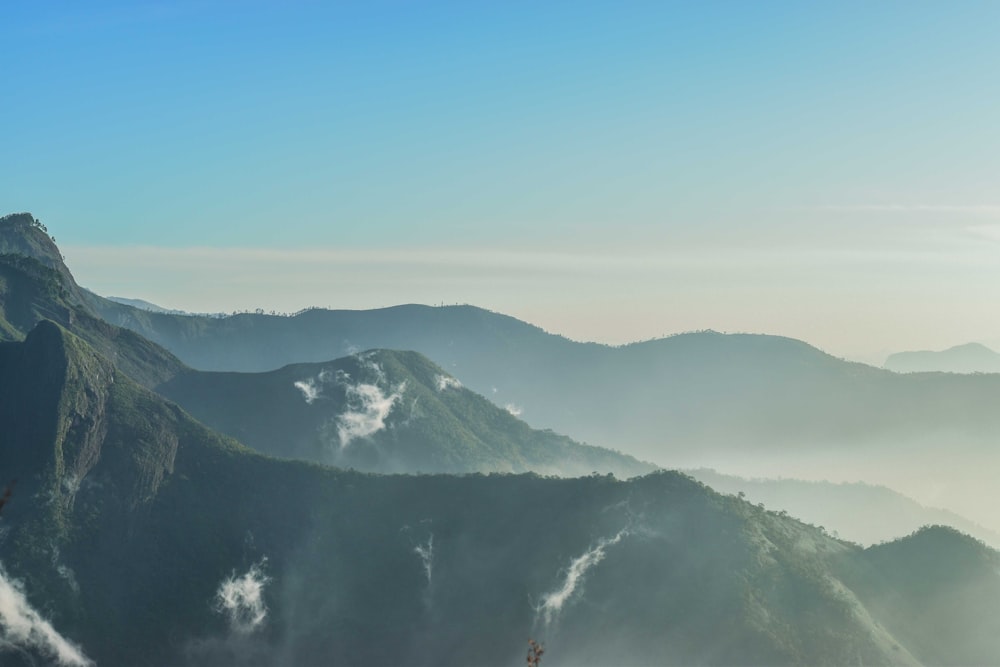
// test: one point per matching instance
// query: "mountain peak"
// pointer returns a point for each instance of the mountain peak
(967, 358)
(24, 234)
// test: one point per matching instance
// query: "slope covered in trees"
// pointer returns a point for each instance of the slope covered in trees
(382, 411)
(147, 539)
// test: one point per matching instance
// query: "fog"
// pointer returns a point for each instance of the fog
(25, 631)
(939, 472)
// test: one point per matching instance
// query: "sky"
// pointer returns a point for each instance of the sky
(610, 171)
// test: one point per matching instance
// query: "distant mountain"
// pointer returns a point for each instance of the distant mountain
(433, 428)
(968, 358)
(138, 536)
(667, 400)
(145, 305)
(862, 513)
(382, 411)
(752, 404)
(31, 292)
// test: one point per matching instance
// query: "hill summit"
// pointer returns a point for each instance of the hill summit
(967, 358)
(23, 234)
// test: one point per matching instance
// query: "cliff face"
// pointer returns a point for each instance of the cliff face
(54, 402)
(22, 234)
(58, 401)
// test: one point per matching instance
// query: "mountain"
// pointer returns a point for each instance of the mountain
(755, 405)
(382, 411)
(145, 305)
(968, 358)
(31, 292)
(135, 535)
(22, 234)
(752, 404)
(429, 430)
(667, 400)
(863, 513)
(909, 582)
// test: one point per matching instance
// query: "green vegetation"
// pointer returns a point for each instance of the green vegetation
(30, 292)
(128, 514)
(430, 422)
(671, 398)
(150, 511)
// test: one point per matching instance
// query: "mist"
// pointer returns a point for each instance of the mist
(24, 630)
(368, 408)
(552, 603)
(241, 600)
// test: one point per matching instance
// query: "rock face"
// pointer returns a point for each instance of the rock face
(60, 404)
(31, 292)
(22, 234)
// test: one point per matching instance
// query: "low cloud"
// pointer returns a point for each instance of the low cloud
(368, 408)
(553, 602)
(241, 600)
(447, 382)
(309, 389)
(63, 570)
(23, 629)
(426, 553)
(515, 410)
(367, 404)
(312, 388)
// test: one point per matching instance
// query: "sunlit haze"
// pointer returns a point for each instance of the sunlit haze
(610, 173)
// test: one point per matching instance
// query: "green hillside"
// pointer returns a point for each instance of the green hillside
(667, 400)
(430, 429)
(141, 536)
(753, 405)
(382, 411)
(36, 285)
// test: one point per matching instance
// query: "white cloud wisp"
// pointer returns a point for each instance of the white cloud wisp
(447, 382)
(368, 409)
(23, 629)
(241, 599)
(554, 601)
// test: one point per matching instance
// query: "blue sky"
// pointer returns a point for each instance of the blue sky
(609, 170)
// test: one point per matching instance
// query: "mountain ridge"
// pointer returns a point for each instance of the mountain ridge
(966, 358)
(862, 513)
(372, 569)
(31, 291)
(749, 404)
(382, 411)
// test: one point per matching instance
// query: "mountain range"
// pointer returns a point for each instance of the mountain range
(154, 514)
(863, 513)
(967, 358)
(398, 413)
(150, 540)
(382, 411)
(750, 405)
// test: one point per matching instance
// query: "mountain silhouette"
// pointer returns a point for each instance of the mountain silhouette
(968, 358)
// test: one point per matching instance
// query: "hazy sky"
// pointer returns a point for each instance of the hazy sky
(610, 171)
